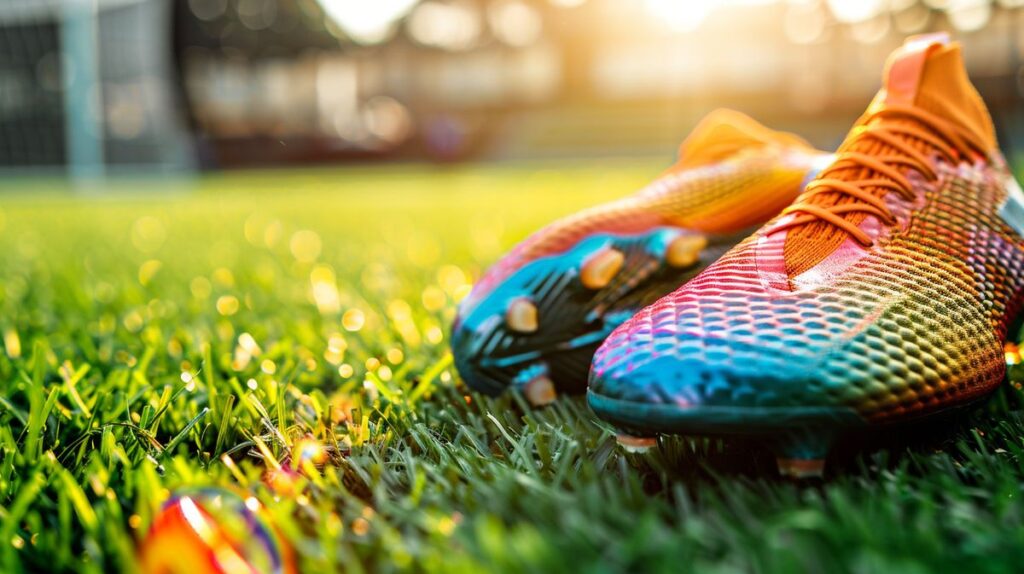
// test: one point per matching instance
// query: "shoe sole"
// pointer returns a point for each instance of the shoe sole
(800, 437)
(717, 420)
(538, 330)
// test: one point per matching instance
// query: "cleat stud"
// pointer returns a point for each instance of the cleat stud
(599, 269)
(801, 452)
(685, 250)
(801, 468)
(540, 392)
(636, 444)
(521, 315)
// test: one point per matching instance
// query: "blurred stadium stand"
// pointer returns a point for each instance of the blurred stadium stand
(227, 83)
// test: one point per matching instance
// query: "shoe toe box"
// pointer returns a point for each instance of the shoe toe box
(693, 353)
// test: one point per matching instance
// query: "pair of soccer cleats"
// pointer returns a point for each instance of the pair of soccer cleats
(763, 289)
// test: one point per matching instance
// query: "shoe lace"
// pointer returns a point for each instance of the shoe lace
(950, 140)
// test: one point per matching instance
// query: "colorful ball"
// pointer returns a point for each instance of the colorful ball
(214, 531)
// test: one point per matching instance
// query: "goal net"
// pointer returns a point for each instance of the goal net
(86, 87)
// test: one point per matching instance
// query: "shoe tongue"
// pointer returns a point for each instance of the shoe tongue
(904, 70)
(723, 133)
(926, 72)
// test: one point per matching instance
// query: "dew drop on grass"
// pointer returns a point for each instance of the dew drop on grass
(148, 234)
(445, 526)
(268, 367)
(305, 246)
(336, 347)
(434, 298)
(241, 359)
(133, 321)
(224, 277)
(353, 320)
(333, 356)
(190, 381)
(200, 287)
(12, 343)
(399, 310)
(337, 341)
(148, 270)
(451, 278)
(174, 348)
(325, 290)
(371, 390)
(227, 305)
(248, 342)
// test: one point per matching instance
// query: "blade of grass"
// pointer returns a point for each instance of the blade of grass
(184, 432)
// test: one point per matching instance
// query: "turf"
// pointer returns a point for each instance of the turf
(163, 336)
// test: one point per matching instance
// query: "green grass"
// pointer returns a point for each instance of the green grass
(129, 369)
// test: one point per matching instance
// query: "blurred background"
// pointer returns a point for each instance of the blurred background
(95, 87)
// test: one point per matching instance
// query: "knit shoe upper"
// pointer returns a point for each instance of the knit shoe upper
(924, 80)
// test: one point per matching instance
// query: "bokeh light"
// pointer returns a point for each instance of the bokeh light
(680, 16)
(856, 10)
(515, 22)
(448, 25)
(969, 15)
(365, 21)
(208, 9)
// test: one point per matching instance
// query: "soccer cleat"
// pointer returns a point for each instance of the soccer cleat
(883, 295)
(535, 318)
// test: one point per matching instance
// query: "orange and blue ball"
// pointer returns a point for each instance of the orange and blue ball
(214, 531)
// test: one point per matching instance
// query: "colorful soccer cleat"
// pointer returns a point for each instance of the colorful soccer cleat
(536, 317)
(882, 295)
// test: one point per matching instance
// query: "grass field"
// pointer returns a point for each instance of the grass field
(177, 334)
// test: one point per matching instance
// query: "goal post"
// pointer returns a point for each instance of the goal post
(83, 131)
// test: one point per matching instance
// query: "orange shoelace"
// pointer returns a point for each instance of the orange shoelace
(952, 142)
